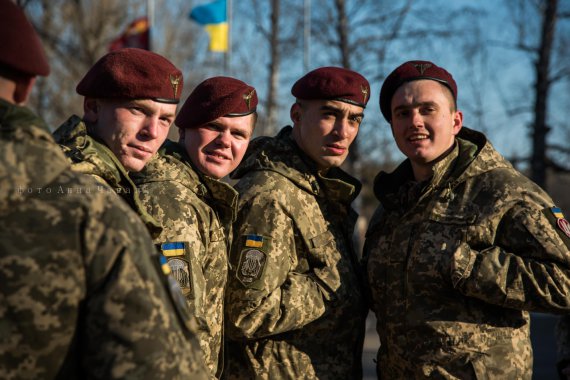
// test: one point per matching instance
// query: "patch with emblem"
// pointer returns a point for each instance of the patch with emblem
(180, 271)
(555, 215)
(251, 266)
(561, 221)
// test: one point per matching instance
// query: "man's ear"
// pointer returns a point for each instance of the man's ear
(23, 89)
(457, 122)
(90, 110)
(296, 113)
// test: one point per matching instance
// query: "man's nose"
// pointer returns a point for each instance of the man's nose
(150, 129)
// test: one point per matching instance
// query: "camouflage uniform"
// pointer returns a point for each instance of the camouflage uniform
(456, 263)
(90, 156)
(81, 293)
(295, 305)
(193, 210)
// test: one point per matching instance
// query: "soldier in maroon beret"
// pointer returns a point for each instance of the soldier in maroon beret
(462, 246)
(82, 295)
(130, 99)
(296, 307)
(182, 190)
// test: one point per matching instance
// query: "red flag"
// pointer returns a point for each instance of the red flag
(136, 35)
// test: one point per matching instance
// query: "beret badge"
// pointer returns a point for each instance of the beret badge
(175, 82)
(247, 97)
(422, 67)
(365, 93)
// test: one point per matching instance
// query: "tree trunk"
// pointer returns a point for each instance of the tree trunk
(542, 85)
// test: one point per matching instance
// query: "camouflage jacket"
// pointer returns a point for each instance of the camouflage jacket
(192, 210)
(90, 156)
(295, 306)
(455, 264)
(81, 295)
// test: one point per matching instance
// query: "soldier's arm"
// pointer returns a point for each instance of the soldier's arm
(136, 324)
(188, 239)
(528, 268)
(266, 296)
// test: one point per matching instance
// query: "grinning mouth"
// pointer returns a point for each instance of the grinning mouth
(418, 137)
(218, 155)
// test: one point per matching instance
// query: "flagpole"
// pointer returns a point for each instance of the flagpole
(228, 54)
(307, 36)
(150, 16)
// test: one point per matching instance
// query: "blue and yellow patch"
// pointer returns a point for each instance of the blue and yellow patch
(557, 212)
(164, 265)
(254, 241)
(556, 217)
(172, 249)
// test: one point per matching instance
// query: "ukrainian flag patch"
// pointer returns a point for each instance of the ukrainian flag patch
(557, 212)
(164, 265)
(172, 249)
(254, 241)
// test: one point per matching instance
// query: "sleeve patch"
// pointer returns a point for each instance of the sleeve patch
(172, 249)
(557, 218)
(255, 241)
(181, 272)
(251, 266)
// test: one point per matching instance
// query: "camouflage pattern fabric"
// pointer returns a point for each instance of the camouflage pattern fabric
(90, 156)
(455, 264)
(81, 295)
(193, 210)
(295, 305)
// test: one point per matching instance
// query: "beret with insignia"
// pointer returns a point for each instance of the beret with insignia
(216, 97)
(132, 73)
(410, 71)
(333, 83)
(21, 50)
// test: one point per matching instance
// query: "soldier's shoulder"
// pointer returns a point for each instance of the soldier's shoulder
(263, 181)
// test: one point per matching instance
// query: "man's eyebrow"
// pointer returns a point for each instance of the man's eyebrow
(416, 104)
(340, 111)
(326, 107)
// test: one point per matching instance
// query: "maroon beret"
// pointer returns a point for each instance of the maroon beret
(333, 83)
(21, 49)
(410, 71)
(216, 97)
(133, 74)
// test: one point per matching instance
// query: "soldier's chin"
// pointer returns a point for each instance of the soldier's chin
(133, 165)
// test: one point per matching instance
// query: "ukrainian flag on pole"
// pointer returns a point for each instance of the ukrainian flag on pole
(214, 17)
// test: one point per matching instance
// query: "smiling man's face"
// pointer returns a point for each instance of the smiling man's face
(424, 122)
(132, 129)
(216, 148)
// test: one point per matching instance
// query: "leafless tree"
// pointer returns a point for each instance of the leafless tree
(550, 58)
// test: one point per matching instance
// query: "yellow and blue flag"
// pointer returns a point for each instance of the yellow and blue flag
(172, 249)
(557, 212)
(254, 241)
(214, 17)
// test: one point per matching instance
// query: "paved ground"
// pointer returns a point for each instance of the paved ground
(543, 342)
